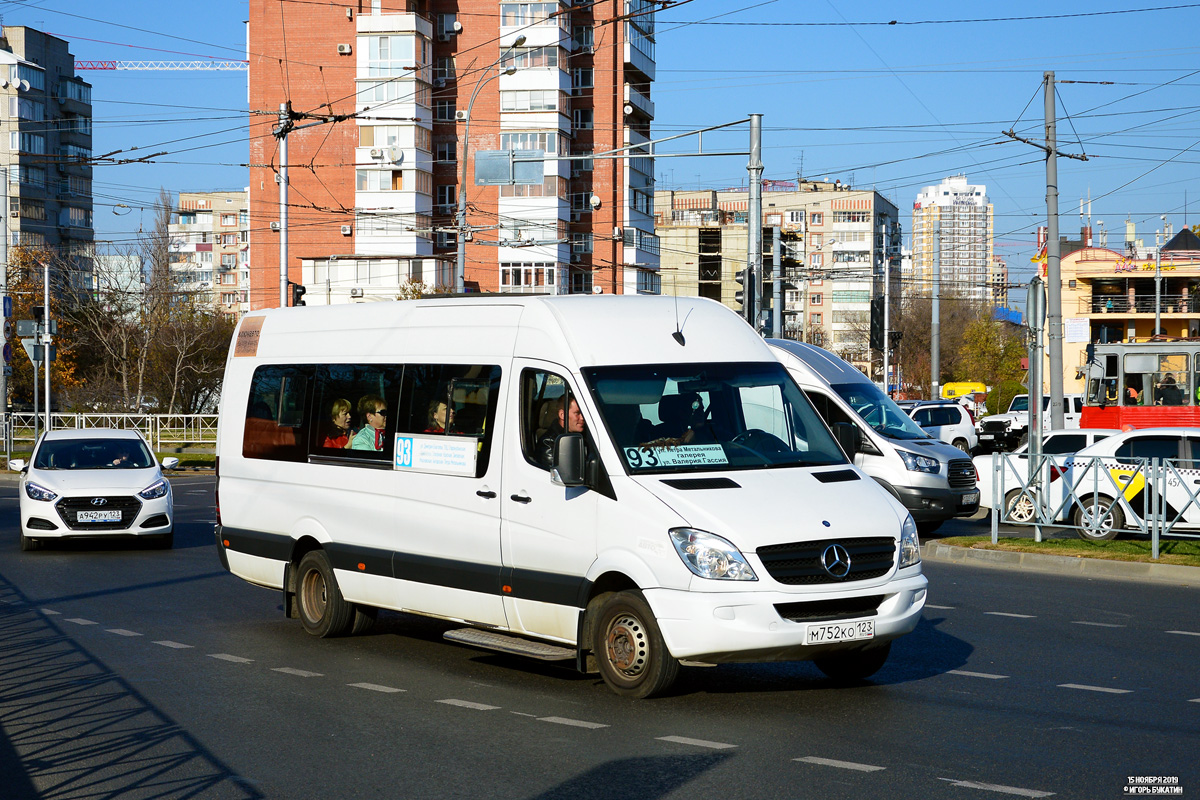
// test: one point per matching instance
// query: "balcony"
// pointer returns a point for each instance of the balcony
(639, 101)
(1141, 304)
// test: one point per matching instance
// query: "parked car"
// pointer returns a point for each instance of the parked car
(949, 421)
(1095, 473)
(1009, 430)
(1058, 445)
(94, 482)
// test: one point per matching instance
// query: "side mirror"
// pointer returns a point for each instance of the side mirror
(568, 460)
(170, 462)
(17, 464)
(849, 437)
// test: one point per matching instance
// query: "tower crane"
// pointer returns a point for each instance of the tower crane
(165, 66)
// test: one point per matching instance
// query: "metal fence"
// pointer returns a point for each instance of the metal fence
(1098, 497)
(161, 430)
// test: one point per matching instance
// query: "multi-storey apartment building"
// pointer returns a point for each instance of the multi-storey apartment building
(999, 282)
(210, 248)
(47, 152)
(838, 241)
(953, 224)
(420, 88)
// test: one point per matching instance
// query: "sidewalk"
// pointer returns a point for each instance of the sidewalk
(1063, 565)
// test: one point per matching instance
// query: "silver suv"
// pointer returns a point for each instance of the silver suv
(949, 421)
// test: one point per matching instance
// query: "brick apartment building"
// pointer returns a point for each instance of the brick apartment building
(373, 199)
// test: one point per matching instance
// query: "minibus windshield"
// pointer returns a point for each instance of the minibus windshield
(879, 411)
(706, 417)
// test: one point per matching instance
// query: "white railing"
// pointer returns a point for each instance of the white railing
(160, 430)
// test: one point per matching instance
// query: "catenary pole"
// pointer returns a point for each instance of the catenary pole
(284, 128)
(935, 325)
(1054, 324)
(754, 223)
(776, 283)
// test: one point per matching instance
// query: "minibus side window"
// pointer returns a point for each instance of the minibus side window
(450, 400)
(346, 425)
(542, 395)
(276, 412)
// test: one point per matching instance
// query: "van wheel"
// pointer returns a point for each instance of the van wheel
(961, 444)
(323, 611)
(364, 618)
(28, 543)
(856, 665)
(1094, 508)
(1020, 507)
(1023, 440)
(629, 648)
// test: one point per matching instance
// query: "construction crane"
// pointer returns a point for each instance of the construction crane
(165, 66)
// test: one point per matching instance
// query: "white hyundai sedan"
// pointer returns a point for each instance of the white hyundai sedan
(94, 482)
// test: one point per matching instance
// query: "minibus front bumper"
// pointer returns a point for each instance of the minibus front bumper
(751, 626)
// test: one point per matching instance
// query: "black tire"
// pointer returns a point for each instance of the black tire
(323, 610)
(1020, 507)
(1024, 438)
(629, 648)
(961, 444)
(929, 526)
(856, 665)
(364, 618)
(1109, 528)
(29, 543)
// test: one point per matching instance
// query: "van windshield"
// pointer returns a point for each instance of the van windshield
(706, 417)
(879, 411)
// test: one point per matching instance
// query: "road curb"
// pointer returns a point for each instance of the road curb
(1063, 565)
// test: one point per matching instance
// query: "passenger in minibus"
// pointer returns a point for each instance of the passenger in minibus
(374, 411)
(574, 424)
(338, 436)
(441, 418)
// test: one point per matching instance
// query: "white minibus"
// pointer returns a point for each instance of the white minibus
(629, 483)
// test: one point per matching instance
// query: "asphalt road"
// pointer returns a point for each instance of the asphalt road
(129, 673)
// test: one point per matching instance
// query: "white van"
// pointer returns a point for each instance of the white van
(934, 480)
(704, 514)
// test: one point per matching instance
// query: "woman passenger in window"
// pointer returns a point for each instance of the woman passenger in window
(338, 436)
(441, 418)
(371, 436)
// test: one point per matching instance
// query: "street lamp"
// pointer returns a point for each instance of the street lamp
(460, 272)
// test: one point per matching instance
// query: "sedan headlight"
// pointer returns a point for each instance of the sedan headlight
(919, 463)
(154, 491)
(35, 492)
(711, 556)
(910, 546)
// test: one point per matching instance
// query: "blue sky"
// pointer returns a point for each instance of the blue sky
(896, 107)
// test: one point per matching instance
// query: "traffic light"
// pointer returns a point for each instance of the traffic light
(739, 296)
(298, 292)
(876, 323)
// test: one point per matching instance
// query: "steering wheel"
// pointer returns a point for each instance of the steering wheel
(760, 443)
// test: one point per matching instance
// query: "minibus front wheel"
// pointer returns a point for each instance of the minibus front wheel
(629, 647)
(323, 610)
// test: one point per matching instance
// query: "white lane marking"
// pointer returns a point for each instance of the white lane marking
(300, 673)
(1196, 700)
(969, 674)
(1186, 633)
(197, 491)
(123, 632)
(50, 612)
(227, 657)
(375, 687)
(940, 608)
(175, 645)
(578, 723)
(1006, 614)
(81, 621)
(1096, 624)
(995, 787)
(1088, 688)
(829, 762)
(696, 742)
(469, 704)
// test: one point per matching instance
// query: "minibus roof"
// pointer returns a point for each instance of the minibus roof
(825, 364)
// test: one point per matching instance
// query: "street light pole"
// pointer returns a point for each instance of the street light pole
(460, 272)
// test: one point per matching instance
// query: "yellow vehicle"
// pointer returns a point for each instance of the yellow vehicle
(952, 391)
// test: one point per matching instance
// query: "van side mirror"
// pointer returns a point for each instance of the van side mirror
(848, 436)
(568, 461)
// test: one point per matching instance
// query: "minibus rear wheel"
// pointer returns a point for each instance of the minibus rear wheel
(629, 647)
(323, 610)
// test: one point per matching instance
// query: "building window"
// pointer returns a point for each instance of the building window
(444, 68)
(526, 100)
(443, 110)
(447, 152)
(582, 78)
(795, 217)
(527, 278)
(814, 319)
(379, 180)
(582, 38)
(815, 299)
(649, 282)
(551, 186)
(581, 243)
(513, 14)
(529, 140)
(445, 198)
(581, 119)
(852, 216)
(581, 282)
(387, 56)
(532, 58)
(581, 202)
(445, 24)
(816, 218)
(816, 260)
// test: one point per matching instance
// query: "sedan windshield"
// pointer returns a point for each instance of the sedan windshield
(879, 411)
(93, 454)
(705, 417)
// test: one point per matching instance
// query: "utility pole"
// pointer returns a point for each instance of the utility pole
(777, 284)
(754, 223)
(887, 298)
(7, 321)
(1035, 311)
(47, 339)
(281, 133)
(935, 337)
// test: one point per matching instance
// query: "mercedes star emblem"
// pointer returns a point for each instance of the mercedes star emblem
(836, 561)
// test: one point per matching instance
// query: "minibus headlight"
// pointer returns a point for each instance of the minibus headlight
(154, 491)
(910, 546)
(918, 463)
(711, 556)
(35, 492)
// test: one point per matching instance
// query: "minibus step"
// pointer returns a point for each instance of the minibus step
(490, 640)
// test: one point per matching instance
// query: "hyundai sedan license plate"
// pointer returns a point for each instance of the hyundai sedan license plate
(99, 516)
(840, 632)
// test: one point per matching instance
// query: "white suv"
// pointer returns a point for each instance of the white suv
(949, 421)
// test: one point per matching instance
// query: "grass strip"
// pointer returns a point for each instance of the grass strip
(1171, 551)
